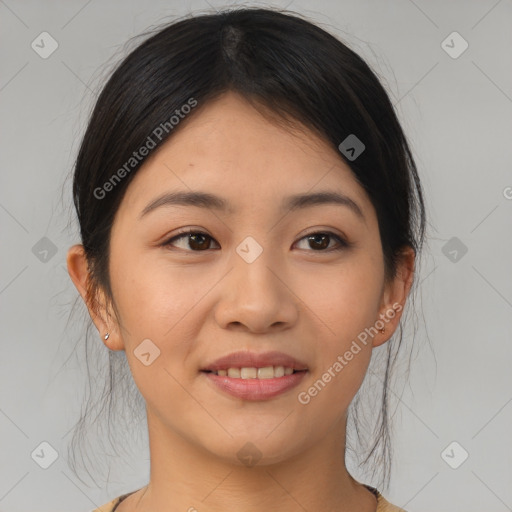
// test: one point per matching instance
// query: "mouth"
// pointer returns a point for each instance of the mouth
(255, 376)
(262, 373)
(254, 384)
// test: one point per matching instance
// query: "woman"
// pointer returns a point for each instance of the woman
(250, 216)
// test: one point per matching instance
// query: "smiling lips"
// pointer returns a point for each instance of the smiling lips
(252, 376)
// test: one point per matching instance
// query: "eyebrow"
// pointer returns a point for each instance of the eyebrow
(290, 203)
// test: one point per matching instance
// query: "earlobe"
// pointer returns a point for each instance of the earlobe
(78, 270)
(112, 341)
(390, 317)
(395, 296)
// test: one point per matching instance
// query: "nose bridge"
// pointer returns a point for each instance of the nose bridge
(255, 269)
(256, 295)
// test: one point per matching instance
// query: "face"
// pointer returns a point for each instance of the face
(256, 276)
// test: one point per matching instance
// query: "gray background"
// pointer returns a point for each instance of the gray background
(457, 113)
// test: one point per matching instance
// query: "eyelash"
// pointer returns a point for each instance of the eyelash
(343, 244)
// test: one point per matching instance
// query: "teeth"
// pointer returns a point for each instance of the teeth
(278, 371)
(234, 372)
(248, 373)
(267, 372)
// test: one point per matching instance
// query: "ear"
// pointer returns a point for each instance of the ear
(78, 269)
(395, 295)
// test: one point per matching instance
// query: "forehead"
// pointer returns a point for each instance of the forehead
(230, 149)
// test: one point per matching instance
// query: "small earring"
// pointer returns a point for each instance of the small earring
(106, 336)
(382, 330)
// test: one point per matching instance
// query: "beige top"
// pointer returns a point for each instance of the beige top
(382, 504)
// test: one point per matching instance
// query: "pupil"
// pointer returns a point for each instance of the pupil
(316, 237)
(193, 239)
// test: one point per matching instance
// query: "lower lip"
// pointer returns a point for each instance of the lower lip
(256, 389)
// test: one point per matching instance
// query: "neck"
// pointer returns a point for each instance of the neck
(185, 477)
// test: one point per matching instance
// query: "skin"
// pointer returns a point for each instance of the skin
(296, 297)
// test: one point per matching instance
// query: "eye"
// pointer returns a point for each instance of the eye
(196, 240)
(200, 241)
(320, 240)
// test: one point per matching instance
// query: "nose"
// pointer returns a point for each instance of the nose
(257, 297)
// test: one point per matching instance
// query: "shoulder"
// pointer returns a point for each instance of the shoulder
(112, 505)
(108, 507)
(384, 506)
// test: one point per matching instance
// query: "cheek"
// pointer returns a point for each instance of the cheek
(152, 305)
(155, 301)
(149, 295)
(347, 302)
(347, 299)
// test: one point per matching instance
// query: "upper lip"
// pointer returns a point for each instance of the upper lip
(243, 359)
